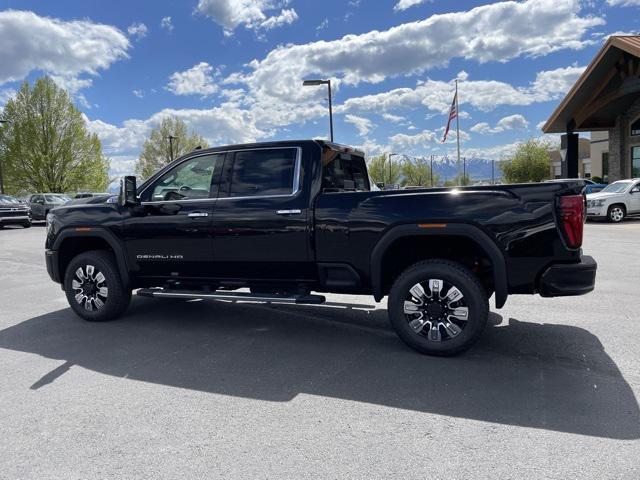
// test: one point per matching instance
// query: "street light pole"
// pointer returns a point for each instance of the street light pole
(1, 176)
(313, 83)
(432, 170)
(171, 139)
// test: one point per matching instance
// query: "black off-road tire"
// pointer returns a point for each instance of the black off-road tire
(27, 224)
(474, 298)
(118, 297)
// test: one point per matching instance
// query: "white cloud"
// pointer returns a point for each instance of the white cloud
(6, 94)
(138, 30)
(286, 17)
(252, 14)
(73, 85)
(363, 125)
(63, 48)
(624, 3)
(138, 93)
(488, 33)
(539, 125)
(198, 80)
(512, 122)
(404, 4)
(484, 95)
(167, 24)
(225, 124)
(393, 118)
(322, 25)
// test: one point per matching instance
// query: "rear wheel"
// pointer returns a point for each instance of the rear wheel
(27, 224)
(93, 287)
(616, 213)
(438, 307)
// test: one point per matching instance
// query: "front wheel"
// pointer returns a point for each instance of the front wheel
(93, 287)
(616, 213)
(438, 307)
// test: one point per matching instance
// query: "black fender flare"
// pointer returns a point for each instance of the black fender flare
(474, 233)
(103, 234)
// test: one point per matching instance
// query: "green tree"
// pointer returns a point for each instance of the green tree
(379, 170)
(156, 151)
(417, 172)
(529, 163)
(47, 147)
(458, 180)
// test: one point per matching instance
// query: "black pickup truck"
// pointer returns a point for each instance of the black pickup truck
(285, 219)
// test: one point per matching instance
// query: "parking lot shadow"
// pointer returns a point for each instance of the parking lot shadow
(553, 377)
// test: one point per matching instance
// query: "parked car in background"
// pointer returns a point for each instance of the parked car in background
(41, 203)
(616, 201)
(89, 195)
(14, 212)
(589, 185)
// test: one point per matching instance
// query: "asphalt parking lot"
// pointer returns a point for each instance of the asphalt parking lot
(203, 389)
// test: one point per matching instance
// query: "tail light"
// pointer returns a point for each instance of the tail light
(572, 219)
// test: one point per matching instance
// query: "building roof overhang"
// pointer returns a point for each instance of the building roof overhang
(609, 84)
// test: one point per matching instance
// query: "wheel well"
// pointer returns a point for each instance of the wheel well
(74, 246)
(406, 251)
(624, 207)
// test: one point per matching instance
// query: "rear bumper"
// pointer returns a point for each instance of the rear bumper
(51, 258)
(564, 279)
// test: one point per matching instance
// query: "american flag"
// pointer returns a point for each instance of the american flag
(453, 113)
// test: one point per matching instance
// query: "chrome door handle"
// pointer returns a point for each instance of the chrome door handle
(295, 211)
(197, 214)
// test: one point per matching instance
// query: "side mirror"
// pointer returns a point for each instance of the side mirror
(380, 185)
(128, 191)
(635, 190)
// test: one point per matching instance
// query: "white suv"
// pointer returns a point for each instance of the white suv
(616, 201)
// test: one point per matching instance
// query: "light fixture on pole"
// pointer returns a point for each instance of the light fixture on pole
(314, 83)
(1, 176)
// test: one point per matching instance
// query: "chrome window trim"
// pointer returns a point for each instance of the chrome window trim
(295, 187)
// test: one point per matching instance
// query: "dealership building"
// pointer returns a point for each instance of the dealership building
(606, 102)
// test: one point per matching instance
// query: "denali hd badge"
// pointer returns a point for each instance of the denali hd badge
(159, 257)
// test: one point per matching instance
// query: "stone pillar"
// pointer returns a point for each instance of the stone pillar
(569, 153)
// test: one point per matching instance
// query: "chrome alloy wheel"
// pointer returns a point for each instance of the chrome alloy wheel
(617, 214)
(438, 311)
(90, 288)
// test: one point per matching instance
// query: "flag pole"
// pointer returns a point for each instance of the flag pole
(458, 130)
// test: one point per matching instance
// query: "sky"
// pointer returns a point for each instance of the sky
(233, 69)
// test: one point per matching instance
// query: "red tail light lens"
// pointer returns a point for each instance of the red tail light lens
(572, 219)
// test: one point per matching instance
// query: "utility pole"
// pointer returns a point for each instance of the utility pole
(493, 178)
(1, 176)
(464, 170)
(171, 139)
(432, 170)
(457, 126)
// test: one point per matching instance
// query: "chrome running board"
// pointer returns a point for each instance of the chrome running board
(220, 295)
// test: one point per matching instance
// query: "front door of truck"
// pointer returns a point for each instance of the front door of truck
(260, 223)
(169, 234)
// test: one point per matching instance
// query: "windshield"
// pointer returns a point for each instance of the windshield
(616, 187)
(57, 199)
(8, 199)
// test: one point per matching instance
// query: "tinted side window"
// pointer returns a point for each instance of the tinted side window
(343, 171)
(263, 172)
(190, 180)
